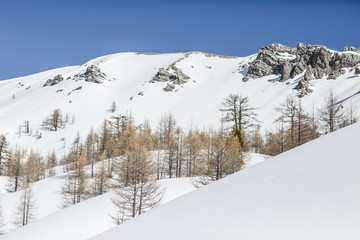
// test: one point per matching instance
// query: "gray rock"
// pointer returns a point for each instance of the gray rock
(176, 76)
(92, 74)
(285, 71)
(303, 86)
(298, 68)
(344, 60)
(308, 73)
(54, 81)
(317, 60)
(277, 47)
(169, 87)
(321, 59)
(336, 73)
(351, 49)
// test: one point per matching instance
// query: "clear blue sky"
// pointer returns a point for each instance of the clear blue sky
(40, 35)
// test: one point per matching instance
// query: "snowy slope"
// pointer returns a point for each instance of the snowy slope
(83, 220)
(310, 192)
(79, 221)
(128, 77)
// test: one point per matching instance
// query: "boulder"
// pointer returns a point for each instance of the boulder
(308, 73)
(169, 87)
(94, 74)
(285, 71)
(172, 74)
(245, 79)
(54, 81)
(303, 86)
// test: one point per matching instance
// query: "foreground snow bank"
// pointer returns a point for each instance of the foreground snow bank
(310, 192)
(87, 218)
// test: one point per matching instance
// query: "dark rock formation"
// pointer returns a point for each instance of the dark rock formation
(172, 75)
(92, 74)
(268, 61)
(317, 60)
(54, 81)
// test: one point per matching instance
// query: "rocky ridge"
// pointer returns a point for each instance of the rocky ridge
(92, 74)
(316, 61)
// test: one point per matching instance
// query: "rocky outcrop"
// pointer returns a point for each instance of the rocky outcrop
(336, 73)
(303, 87)
(351, 49)
(316, 61)
(268, 61)
(92, 74)
(54, 81)
(285, 71)
(172, 75)
(308, 73)
(169, 87)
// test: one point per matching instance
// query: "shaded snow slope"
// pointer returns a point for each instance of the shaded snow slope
(80, 221)
(310, 192)
(128, 83)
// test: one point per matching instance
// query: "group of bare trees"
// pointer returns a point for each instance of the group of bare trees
(129, 159)
(295, 126)
(25, 212)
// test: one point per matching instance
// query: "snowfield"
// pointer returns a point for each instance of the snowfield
(195, 103)
(311, 192)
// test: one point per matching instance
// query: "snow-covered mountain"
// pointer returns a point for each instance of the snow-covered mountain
(191, 85)
(310, 192)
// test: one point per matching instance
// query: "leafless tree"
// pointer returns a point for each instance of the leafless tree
(331, 114)
(26, 208)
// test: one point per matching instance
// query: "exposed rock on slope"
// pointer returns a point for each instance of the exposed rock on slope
(317, 60)
(92, 74)
(54, 81)
(352, 49)
(172, 75)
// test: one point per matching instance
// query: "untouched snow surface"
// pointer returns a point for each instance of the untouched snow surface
(311, 192)
(196, 102)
